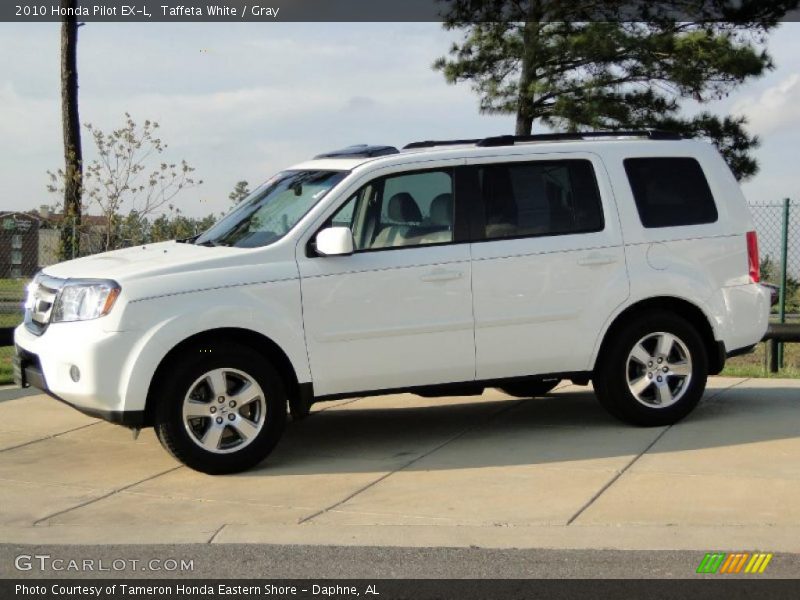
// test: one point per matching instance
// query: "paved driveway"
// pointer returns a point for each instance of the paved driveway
(490, 471)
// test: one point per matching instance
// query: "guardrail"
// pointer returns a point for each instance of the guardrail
(777, 334)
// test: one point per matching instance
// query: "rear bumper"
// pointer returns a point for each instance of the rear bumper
(745, 311)
(28, 373)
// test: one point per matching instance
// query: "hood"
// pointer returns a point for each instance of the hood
(152, 259)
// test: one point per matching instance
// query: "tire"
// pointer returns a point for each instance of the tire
(233, 429)
(630, 379)
(530, 389)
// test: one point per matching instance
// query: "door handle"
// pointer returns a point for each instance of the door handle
(596, 260)
(441, 276)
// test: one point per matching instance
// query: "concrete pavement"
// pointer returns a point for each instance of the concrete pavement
(489, 471)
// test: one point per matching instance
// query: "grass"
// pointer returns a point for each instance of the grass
(10, 319)
(12, 290)
(6, 372)
(755, 364)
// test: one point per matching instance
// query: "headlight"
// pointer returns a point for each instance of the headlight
(30, 289)
(84, 300)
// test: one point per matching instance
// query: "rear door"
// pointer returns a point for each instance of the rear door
(548, 265)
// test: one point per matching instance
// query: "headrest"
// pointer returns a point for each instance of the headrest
(442, 210)
(403, 208)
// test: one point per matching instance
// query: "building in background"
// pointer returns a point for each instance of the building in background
(19, 244)
(30, 241)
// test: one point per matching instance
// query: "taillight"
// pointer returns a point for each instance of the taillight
(752, 257)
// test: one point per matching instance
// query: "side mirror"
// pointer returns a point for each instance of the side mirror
(334, 241)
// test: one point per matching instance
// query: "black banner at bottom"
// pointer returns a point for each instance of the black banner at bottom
(391, 589)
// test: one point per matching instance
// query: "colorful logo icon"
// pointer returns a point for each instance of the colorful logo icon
(734, 562)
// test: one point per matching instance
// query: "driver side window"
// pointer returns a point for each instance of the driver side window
(411, 209)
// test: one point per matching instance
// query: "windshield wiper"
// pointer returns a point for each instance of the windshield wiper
(212, 243)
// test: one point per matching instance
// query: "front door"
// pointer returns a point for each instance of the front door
(398, 312)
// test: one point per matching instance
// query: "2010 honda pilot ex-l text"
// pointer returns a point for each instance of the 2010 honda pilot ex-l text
(628, 259)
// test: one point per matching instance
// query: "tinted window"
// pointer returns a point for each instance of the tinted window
(405, 210)
(540, 198)
(670, 191)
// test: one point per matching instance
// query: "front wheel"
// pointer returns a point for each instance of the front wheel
(654, 372)
(222, 410)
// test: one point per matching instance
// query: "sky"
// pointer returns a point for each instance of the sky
(245, 100)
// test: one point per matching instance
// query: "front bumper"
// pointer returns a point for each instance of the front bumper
(28, 373)
(45, 362)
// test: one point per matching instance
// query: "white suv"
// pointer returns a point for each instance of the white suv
(628, 259)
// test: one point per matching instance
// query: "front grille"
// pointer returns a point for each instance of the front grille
(42, 294)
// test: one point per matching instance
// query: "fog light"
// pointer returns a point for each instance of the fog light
(75, 373)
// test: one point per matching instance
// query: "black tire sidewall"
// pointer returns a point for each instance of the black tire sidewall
(183, 373)
(611, 379)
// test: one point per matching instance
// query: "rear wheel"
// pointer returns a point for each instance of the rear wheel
(654, 372)
(221, 411)
(530, 389)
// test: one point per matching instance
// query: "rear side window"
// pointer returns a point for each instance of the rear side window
(670, 192)
(540, 198)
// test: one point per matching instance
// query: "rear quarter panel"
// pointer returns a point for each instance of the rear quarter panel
(702, 264)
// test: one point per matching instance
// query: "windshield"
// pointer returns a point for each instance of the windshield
(272, 210)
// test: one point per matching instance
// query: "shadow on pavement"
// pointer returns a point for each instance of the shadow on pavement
(563, 427)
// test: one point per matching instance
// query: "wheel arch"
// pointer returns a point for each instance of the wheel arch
(683, 308)
(246, 337)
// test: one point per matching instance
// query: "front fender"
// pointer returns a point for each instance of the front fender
(271, 310)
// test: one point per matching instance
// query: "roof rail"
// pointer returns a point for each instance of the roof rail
(510, 140)
(432, 143)
(359, 151)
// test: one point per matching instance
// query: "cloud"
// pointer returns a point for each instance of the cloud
(776, 109)
(360, 103)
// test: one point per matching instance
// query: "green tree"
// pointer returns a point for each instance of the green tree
(240, 192)
(177, 226)
(767, 268)
(563, 64)
(161, 229)
(132, 230)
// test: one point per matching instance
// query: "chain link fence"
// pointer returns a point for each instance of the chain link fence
(778, 227)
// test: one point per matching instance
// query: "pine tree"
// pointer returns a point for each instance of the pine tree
(240, 192)
(578, 66)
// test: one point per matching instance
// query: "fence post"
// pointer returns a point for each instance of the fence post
(784, 260)
(773, 355)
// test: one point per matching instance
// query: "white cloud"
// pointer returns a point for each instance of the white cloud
(776, 109)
